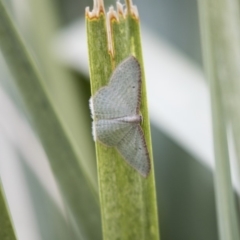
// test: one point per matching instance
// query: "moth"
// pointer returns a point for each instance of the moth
(115, 111)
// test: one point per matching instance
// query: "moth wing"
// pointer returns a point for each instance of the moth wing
(110, 132)
(122, 95)
(134, 150)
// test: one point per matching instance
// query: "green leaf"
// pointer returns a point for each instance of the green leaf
(128, 201)
(69, 93)
(6, 227)
(220, 38)
(80, 199)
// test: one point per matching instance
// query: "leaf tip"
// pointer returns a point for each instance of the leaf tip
(101, 8)
(111, 16)
(98, 8)
(120, 10)
(132, 9)
(134, 12)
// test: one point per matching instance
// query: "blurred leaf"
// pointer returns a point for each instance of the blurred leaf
(6, 227)
(220, 38)
(67, 91)
(52, 223)
(183, 182)
(80, 199)
(128, 200)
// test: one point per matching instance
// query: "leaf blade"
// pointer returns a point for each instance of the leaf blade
(128, 201)
(214, 25)
(6, 228)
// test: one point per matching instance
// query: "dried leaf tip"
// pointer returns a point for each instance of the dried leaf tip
(131, 9)
(111, 15)
(120, 9)
(129, 5)
(98, 7)
(134, 12)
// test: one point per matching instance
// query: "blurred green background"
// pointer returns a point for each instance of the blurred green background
(184, 181)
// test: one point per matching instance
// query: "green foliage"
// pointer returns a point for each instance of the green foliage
(221, 45)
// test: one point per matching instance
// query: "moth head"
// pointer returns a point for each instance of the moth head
(91, 107)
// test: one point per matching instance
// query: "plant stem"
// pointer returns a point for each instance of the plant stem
(215, 24)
